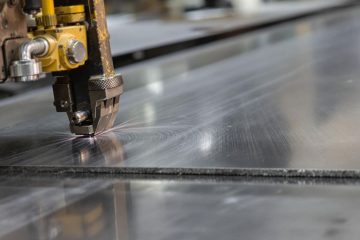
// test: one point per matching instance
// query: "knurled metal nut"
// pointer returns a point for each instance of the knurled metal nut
(76, 52)
(49, 20)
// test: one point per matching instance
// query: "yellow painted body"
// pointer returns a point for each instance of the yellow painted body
(60, 37)
(48, 7)
(70, 14)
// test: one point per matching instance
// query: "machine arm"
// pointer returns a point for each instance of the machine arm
(71, 41)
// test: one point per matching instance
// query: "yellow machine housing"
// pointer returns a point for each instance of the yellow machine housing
(60, 27)
(69, 44)
(59, 39)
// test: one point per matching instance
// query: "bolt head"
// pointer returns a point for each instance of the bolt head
(76, 52)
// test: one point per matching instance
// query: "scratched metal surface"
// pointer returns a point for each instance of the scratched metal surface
(90, 208)
(284, 101)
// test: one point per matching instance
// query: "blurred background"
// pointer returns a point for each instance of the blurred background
(144, 29)
(179, 9)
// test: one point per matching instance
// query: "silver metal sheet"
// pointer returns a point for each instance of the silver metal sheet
(50, 208)
(264, 104)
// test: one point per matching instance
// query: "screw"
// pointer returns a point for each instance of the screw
(64, 103)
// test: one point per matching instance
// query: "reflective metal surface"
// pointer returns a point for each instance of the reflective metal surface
(278, 102)
(50, 208)
(285, 98)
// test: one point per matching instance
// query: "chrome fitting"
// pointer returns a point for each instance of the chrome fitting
(76, 52)
(26, 68)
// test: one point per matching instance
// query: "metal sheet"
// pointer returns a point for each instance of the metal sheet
(284, 107)
(50, 208)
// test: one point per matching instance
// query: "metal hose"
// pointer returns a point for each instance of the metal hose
(27, 69)
(32, 48)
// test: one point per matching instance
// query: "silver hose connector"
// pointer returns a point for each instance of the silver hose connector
(26, 68)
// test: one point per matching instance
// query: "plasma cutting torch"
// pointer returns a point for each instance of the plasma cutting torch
(69, 40)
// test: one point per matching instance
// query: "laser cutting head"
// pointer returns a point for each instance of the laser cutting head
(69, 40)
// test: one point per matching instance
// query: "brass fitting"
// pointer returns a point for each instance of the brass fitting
(49, 21)
(48, 14)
